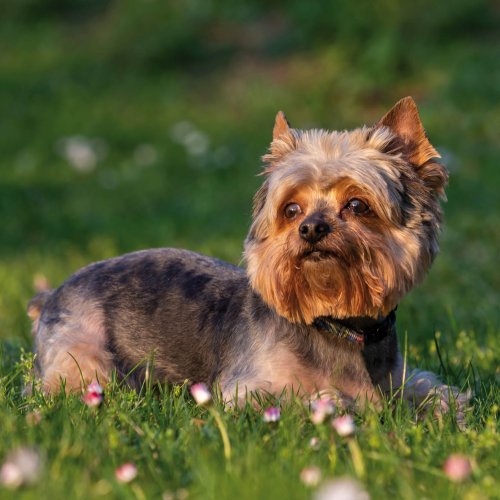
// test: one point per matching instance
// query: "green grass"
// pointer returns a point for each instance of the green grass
(112, 73)
(176, 445)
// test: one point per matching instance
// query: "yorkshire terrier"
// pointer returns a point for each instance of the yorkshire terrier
(344, 225)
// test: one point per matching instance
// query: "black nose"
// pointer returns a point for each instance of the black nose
(314, 228)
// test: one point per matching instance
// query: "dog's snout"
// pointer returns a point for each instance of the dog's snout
(314, 228)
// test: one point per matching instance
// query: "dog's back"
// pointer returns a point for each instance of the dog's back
(166, 304)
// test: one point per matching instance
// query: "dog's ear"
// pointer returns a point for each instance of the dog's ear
(281, 125)
(284, 141)
(403, 119)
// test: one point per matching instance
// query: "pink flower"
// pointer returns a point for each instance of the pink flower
(272, 414)
(22, 466)
(201, 394)
(10, 475)
(457, 467)
(95, 387)
(343, 488)
(314, 443)
(344, 425)
(33, 417)
(310, 476)
(93, 395)
(321, 408)
(126, 472)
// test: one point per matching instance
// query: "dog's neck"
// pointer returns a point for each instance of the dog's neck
(361, 331)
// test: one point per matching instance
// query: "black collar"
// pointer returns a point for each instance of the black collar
(361, 331)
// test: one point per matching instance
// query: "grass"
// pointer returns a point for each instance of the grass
(111, 74)
(177, 446)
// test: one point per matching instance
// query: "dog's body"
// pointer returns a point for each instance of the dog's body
(343, 227)
(212, 326)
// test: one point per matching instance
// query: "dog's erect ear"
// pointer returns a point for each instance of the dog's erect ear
(403, 119)
(284, 141)
(281, 125)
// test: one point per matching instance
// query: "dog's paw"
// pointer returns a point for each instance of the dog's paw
(444, 399)
(429, 394)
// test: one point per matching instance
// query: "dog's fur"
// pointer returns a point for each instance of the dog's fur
(197, 318)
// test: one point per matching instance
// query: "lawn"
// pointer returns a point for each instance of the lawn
(128, 125)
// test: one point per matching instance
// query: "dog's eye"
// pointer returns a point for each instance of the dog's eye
(292, 210)
(357, 207)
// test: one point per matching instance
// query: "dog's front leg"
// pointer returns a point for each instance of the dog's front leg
(426, 391)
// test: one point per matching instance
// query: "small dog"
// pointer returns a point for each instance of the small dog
(344, 225)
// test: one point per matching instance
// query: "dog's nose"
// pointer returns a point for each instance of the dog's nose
(314, 228)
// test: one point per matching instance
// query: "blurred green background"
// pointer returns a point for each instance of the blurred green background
(133, 124)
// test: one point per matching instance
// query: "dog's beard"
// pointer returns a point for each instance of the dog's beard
(342, 276)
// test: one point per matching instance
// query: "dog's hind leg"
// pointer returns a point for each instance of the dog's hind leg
(71, 347)
(75, 365)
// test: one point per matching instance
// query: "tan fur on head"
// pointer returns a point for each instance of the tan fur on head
(367, 263)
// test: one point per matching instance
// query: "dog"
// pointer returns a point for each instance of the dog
(344, 225)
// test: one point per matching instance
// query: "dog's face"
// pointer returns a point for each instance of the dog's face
(346, 222)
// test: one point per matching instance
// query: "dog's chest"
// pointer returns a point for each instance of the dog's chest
(276, 366)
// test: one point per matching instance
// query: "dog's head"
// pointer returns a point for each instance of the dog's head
(345, 223)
